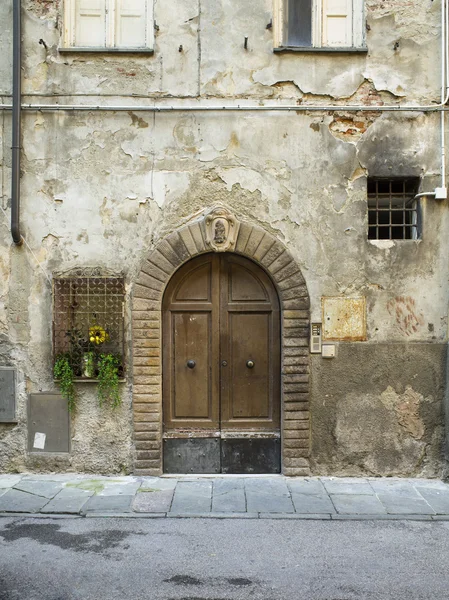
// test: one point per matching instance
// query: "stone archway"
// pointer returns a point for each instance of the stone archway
(262, 247)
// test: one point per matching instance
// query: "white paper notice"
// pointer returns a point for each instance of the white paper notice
(39, 441)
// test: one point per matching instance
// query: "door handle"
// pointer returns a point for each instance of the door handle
(224, 363)
(250, 364)
(191, 364)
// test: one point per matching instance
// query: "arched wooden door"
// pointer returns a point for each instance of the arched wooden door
(221, 368)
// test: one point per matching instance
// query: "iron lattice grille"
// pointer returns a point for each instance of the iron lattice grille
(88, 320)
(393, 213)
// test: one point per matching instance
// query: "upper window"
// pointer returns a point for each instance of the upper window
(393, 210)
(319, 24)
(108, 24)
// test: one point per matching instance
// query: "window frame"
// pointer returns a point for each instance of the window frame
(280, 26)
(69, 30)
(80, 317)
(405, 204)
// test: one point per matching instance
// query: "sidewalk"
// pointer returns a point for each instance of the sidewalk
(250, 497)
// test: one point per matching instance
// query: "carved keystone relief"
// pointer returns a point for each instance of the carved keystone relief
(222, 229)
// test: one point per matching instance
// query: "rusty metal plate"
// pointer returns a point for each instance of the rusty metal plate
(344, 319)
(197, 455)
(7, 395)
(259, 456)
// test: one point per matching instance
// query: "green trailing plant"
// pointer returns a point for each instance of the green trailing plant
(108, 379)
(64, 375)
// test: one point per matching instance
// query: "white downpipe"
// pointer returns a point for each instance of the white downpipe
(444, 83)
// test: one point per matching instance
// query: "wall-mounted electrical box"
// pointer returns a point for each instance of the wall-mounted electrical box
(48, 423)
(315, 338)
(7, 395)
(328, 351)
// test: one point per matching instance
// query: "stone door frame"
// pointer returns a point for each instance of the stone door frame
(164, 260)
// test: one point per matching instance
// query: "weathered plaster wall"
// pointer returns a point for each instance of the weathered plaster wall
(98, 189)
(377, 408)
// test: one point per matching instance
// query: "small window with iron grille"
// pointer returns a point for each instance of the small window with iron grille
(88, 322)
(393, 211)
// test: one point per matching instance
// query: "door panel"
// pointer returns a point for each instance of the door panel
(249, 329)
(247, 388)
(192, 386)
(196, 286)
(190, 321)
(243, 286)
(221, 375)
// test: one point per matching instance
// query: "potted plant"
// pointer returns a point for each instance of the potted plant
(63, 373)
(108, 379)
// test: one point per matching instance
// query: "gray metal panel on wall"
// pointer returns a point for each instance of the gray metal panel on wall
(7, 395)
(48, 423)
(197, 455)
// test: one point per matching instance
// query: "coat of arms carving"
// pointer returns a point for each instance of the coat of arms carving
(221, 230)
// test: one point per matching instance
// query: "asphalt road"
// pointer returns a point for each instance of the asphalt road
(209, 559)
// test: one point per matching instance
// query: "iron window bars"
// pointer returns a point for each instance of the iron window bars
(88, 321)
(393, 212)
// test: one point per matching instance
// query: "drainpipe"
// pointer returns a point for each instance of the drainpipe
(16, 123)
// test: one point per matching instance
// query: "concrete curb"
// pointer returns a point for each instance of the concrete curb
(222, 516)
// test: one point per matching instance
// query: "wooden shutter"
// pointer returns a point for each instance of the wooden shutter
(90, 23)
(337, 23)
(133, 23)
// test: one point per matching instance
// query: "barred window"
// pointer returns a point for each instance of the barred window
(88, 321)
(393, 211)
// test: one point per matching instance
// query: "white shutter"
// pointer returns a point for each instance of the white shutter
(90, 23)
(337, 23)
(133, 23)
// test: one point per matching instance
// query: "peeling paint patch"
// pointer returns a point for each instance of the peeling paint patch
(350, 127)
(382, 244)
(406, 407)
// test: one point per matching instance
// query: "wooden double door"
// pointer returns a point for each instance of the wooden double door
(221, 368)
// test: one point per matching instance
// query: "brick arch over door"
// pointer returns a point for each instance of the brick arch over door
(172, 252)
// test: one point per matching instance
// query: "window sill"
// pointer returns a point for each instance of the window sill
(102, 49)
(86, 380)
(352, 50)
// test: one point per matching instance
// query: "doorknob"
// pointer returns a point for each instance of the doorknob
(191, 364)
(224, 363)
(250, 364)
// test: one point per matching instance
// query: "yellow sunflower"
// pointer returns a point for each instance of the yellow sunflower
(97, 335)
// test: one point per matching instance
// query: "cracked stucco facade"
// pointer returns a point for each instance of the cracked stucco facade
(100, 189)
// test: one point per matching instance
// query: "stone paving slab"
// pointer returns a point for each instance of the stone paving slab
(278, 500)
(437, 498)
(313, 487)
(69, 500)
(405, 505)
(120, 489)
(361, 504)
(192, 497)
(306, 503)
(158, 483)
(47, 489)
(153, 502)
(249, 497)
(357, 488)
(398, 488)
(9, 481)
(115, 504)
(21, 502)
(228, 496)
